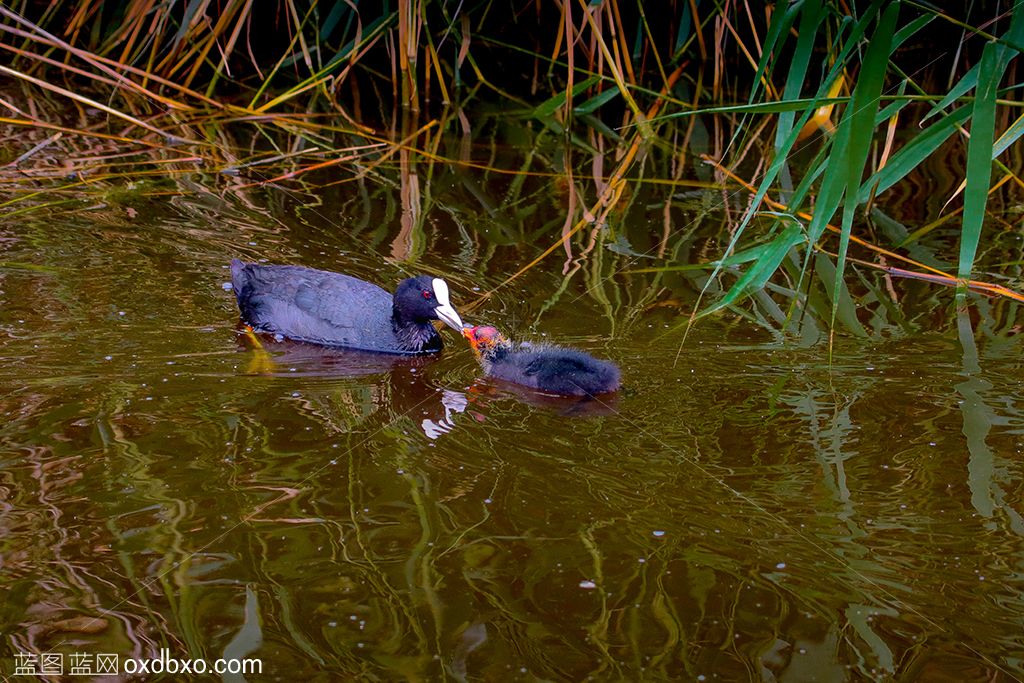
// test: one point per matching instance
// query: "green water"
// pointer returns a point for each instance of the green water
(743, 510)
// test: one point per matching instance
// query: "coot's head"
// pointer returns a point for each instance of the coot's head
(425, 298)
(484, 339)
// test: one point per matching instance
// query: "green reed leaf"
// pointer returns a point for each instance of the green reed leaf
(769, 256)
(780, 24)
(866, 97)
(979, 158)
(1009, 136)
(595, 102)
(547, 108)
(910, 156)
(813, 13)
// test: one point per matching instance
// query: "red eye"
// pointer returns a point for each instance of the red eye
(426, 294)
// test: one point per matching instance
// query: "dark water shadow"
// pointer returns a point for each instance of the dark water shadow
(402, 389)
(486, 389)
(285, 357)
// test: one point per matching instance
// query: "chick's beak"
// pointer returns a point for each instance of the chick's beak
(474, 343)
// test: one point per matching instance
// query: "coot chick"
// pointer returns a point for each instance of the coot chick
(331, 309)
(552, 369)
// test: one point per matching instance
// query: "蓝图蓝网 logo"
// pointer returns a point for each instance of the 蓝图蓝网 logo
(53, 664)
(60, 664)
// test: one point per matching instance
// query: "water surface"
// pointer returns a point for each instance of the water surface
(746, 508)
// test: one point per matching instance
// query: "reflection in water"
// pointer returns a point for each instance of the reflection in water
(485, 389)
(745, 509)
(404, 392)
(453, 402)
(983, 477)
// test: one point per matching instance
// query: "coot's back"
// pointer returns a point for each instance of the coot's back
(316, 306)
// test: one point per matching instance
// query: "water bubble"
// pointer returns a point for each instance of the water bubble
(780, 565)
(658, 532)
(588, 585)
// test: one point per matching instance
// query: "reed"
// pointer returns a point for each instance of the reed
(815, 110)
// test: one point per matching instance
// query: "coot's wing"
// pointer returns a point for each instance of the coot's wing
(317, 306)
(349, 309)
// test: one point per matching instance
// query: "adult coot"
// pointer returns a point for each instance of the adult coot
(551, 369)
(332, 309)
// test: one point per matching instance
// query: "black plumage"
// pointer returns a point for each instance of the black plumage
(551, 369)
(331, 309)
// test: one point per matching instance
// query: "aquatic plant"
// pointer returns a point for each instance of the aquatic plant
(838, 115)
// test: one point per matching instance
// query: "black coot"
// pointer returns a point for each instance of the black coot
(332, 309)
(551, 369)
